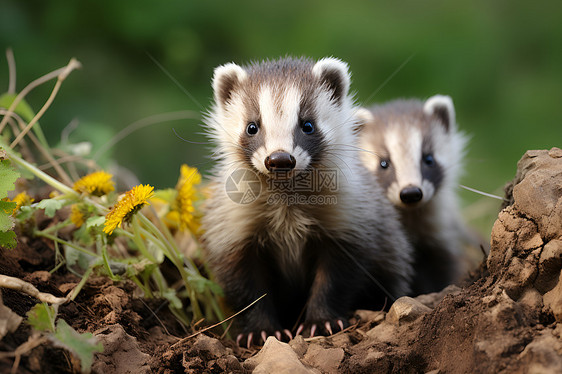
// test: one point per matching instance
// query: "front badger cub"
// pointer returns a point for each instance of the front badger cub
(318, 253)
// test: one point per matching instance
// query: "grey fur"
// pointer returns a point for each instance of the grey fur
(434, 226)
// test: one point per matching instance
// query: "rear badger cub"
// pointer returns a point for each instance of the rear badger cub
(281, 120)
(415, 151)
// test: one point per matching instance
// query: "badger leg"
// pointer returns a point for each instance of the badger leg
(245, 277)
(333, 290)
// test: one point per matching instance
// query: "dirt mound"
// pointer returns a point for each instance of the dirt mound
(508, 320)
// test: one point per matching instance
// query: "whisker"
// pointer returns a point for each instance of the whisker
(188, 141)
(482, 193)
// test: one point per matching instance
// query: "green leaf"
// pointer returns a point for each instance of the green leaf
(95, 221)
(8, 177)
(74, 257)
(25, 112)
(51, 206)
(6, 220)
(82, 345)
(22, 109)
(171, 296)
(83, 235)
(8, 239)
(42, 317)
(200, 284)
(25, 212)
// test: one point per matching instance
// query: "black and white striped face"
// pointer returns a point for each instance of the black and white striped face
(411, 147)
(281, 115)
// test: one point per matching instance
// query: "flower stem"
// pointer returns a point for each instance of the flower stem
(62, 241)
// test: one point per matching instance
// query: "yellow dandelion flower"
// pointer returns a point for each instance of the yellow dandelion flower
(127, 206)
(98, 183)
(189, 177)
(77, 216)
(21, 199)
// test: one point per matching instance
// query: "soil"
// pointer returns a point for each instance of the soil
(507, 318)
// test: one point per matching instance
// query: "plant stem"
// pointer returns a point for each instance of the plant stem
(83, 281)
(62, 241)
(41, 175)
(172, 254)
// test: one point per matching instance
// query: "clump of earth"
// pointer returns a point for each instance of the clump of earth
(507, 318)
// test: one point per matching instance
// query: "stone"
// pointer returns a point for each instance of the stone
(326, 359)
(121, 353)
(432, 299)
(553, 300)
(405, 310)
(550, 263)
(276, 357)
(385, 333)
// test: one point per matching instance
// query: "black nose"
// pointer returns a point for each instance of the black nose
(280, 161)
(411, 195)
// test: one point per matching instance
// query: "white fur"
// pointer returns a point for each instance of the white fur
(331, 63)
(279, 126)
(441, 101)
(223, 72)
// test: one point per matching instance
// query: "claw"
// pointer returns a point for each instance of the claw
(238, 339)
(329, 327)
(263, 336)
(312, 330)
(340, 324)
(278, 335)
(299, 330)
(288, 333)
(250, 337)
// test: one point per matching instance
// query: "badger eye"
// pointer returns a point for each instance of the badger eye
(252, 129)
(428, 160)
(308, 128)
(385, 164)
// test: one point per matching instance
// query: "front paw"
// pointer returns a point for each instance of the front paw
(249, 339)
(322, 327)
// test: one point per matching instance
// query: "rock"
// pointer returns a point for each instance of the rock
(539, 192)
(432, 299)
(369, 315)
(340, 340)
(553, 300)
(210, 347)
(385, 333)
(276, 357)
(121, 353)
(543, 354)
(404, 310)
(326, 359)
(9, 321)
(532, 299)
(299, 346)
(550, 263)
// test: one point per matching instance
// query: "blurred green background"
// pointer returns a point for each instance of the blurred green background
(501, 62)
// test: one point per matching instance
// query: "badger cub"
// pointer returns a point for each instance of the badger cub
(317, 252)
(416, 151)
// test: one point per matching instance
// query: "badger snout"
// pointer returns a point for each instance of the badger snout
(411, 194)
(280, 161)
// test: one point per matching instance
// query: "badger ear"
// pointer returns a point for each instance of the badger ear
(225, 79)
(361, 118)
(441, 107)
(335, 75)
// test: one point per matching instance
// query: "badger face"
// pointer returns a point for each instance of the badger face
(280, 116)
(409, 148)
